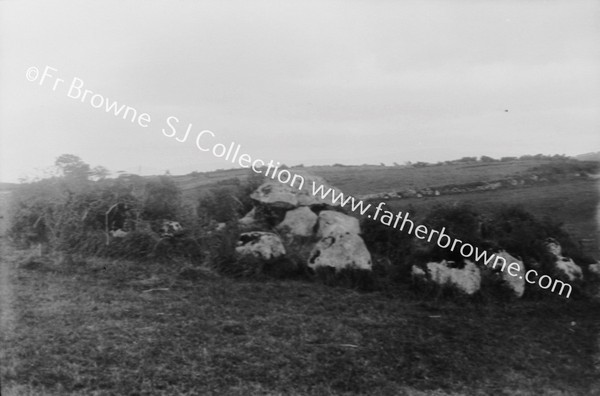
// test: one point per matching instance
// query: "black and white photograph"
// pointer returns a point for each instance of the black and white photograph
(289, 198)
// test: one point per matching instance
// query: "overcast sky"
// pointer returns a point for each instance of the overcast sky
(299, 81)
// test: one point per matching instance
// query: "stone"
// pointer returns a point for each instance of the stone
(249, 219)
(276, 194)
(467, 279)
(554, 247)
(594, 269)
(298, 222)
(569, 268)
(563, 264)
(118, 233)
(262, 245)
(298, 192)
(515, 283)
(170, 228)
(336, 223)
(417, 272)
(341, 251)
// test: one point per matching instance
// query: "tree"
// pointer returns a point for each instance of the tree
(72, 167)
(485, 158)
(162, 199)
(99, 173)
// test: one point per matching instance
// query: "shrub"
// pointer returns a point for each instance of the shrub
(228, 201)
(462, 222)
(137, 245)
(389, 243)
(162, 199)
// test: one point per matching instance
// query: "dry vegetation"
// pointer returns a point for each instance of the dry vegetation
(74, 323)
(93, 328)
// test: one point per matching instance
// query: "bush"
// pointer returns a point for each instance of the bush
(385, 242)
(228, 201)
(162, 199)
(461, 222)
(137, 245)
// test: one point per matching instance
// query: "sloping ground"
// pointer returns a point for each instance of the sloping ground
(104, 328)
(589, 156)
(576, 204)
(367, 179)
(359, 180)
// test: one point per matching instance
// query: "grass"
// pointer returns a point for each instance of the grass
(372, 179)
(101, 328)
(573, 203)
(367, 179)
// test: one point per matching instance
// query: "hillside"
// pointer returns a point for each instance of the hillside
(370, 179)
(589, 156)
(7, 186)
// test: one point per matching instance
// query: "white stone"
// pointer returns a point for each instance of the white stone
(336, 223)
(299, 222)
(340, 251)
(515, 283)
(467, 279)
(118, 233)
(170, 228)
(417, 271)
(569, 268)
(275, 194)
(564, 264)
(594, 268)
(263, 245)
(297, 192)
(249, 219)
(554, 247)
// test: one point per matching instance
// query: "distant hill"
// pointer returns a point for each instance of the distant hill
(7, 186)
(589, 156)
(368, 179)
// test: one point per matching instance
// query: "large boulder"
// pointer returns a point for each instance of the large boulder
(515, 283)
(297, 192)
(169, 229)
(553, 247)
(262, 245)
(340, 251)
(276, 194)
(298, 222)
(563, 264)
(249, 219)
(594, 269)
(333, 223)
(568, 267)
(467, 279)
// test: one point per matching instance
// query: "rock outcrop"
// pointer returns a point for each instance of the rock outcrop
(340, 251)
(336, 223)
(338, 245)
(299, 192)
(170, 228)
(298, 222)
(467, 279)
(515, 283)
(262, 245)
(563, 264)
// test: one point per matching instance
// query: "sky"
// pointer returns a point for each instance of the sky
(311, 82)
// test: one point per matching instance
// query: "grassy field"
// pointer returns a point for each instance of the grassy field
(366, 179)
(102, 328)
(372, 179)
(575, 204)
